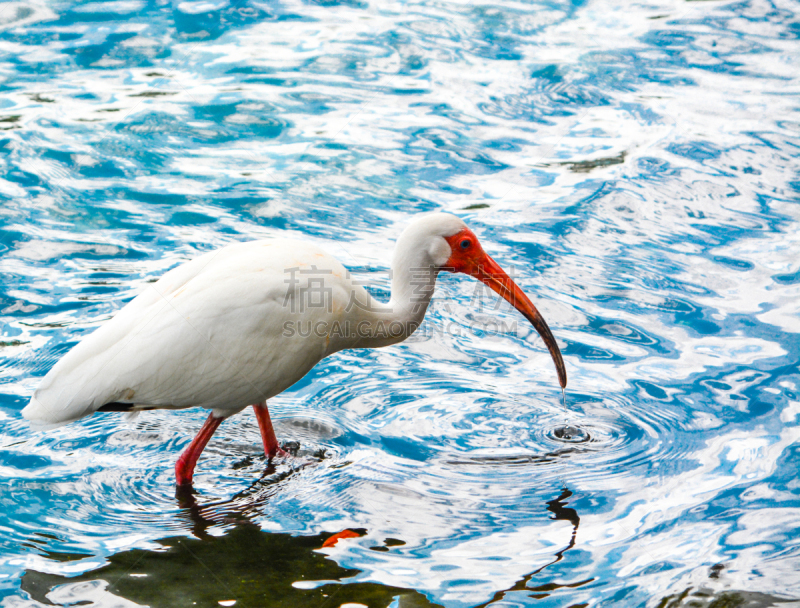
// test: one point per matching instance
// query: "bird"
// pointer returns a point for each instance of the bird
(237, 326)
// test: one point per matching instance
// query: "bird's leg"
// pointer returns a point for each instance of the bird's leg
(184, 467)
(271, 447)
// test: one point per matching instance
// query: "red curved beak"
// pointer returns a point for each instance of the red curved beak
(486, 270)
(490, 273)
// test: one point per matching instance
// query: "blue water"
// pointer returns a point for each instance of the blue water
(636, 164)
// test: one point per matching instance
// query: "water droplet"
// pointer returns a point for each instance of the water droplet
(570, 434)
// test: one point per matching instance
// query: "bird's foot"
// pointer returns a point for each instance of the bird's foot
(290, 448)
(185, 495)
(278, 453)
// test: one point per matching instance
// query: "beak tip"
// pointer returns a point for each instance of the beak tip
(562, 373)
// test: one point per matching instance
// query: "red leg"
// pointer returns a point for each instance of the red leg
(271, 447)
(184, 468)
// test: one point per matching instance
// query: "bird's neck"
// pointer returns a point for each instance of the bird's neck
(412, 290)
(413, 284)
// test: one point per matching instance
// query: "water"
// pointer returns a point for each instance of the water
(634, 163)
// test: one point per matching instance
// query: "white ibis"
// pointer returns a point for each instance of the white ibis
(237, 326)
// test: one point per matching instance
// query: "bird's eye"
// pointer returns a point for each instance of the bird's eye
(465, 244)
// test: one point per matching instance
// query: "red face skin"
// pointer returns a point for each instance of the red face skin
(469, 257)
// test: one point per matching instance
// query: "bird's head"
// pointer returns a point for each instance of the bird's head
(451, 246)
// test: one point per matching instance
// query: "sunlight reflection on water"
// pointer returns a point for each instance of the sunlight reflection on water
(636, 165)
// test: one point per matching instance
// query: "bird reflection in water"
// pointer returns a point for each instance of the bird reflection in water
(246, 566)
(560, 511)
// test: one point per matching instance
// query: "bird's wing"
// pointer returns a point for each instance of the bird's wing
(210, 333)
